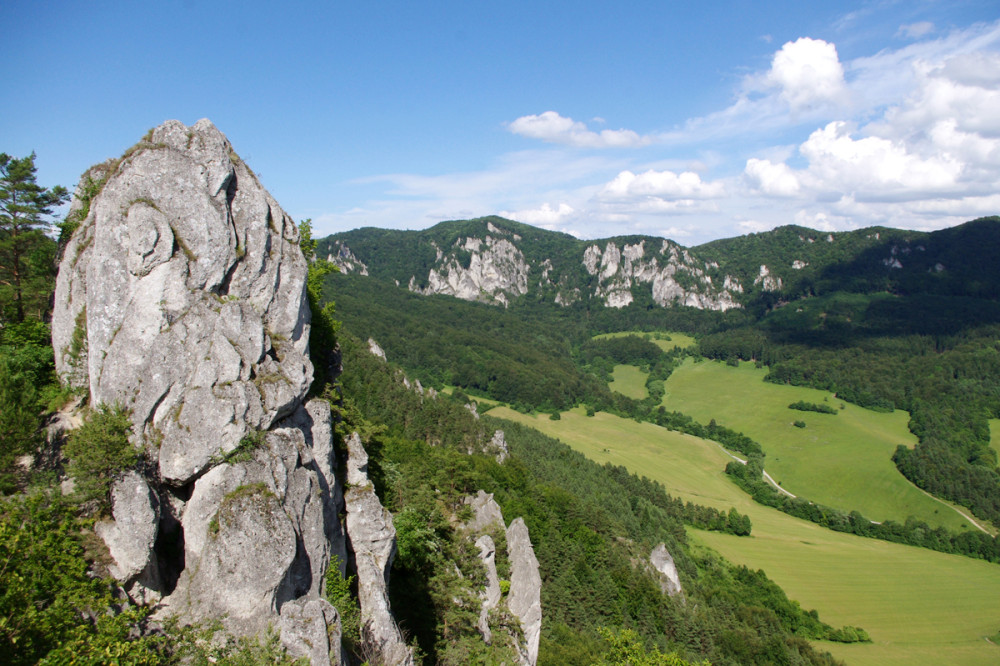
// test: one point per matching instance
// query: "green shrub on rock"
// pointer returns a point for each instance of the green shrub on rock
(99, 451)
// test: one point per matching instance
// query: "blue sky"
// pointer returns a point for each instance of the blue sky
(593, 118)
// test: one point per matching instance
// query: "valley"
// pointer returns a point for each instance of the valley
(919, 606)
(843, 460)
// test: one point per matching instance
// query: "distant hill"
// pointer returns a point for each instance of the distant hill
(502, 262)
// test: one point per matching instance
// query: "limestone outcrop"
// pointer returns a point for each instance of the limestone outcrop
(498, 445)
(373, 543)
(181, 297)
(490, 269)
(523, 600)
(674, 275)
(492, 593)
(525, 596)
(663, 562)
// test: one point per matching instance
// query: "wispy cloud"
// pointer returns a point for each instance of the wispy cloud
(915, 30)
(554, 128)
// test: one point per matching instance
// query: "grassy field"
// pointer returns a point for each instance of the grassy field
(995, 435)
(629, 381)
(681, 340)
(919, 606)
(841, 460)
(485, 403)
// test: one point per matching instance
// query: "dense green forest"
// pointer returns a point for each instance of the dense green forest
(590, 524)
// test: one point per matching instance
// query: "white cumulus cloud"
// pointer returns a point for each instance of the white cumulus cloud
(665, 185)
(770, 178)
(554, 128)
(809, 74)
(838, 161)
(544, 216)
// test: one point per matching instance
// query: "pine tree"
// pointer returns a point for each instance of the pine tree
(26, 253)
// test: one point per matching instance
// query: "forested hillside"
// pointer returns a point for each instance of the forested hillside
(884, 318)
(593, 528)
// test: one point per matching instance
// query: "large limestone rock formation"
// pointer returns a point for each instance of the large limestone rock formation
(496, 270)
(676, 277)
(181, 297)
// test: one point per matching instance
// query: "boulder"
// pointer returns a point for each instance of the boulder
(131, 535)
(311, 629)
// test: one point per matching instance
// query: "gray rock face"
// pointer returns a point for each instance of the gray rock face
(182, 297)
(260, 532)
(497, 270)
(491, 593)
(342, 257)
(131, 536)
(373, 541)
(525, 593)
(661, 559)
(499, 445)
(675, 277)
(375, 349)
(306, 628)
(525, 597)
(485, 512)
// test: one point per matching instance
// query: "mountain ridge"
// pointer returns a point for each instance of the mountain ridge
(502, 262)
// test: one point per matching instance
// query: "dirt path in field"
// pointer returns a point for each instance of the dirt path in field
(767, 477)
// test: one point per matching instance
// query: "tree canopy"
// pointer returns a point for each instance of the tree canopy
(26, 253)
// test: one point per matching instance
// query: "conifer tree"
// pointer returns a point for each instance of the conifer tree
(26, 253)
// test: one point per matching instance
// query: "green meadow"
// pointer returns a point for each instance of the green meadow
(629, 381)
(919, 606)
(842, 460)
(681, 340)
